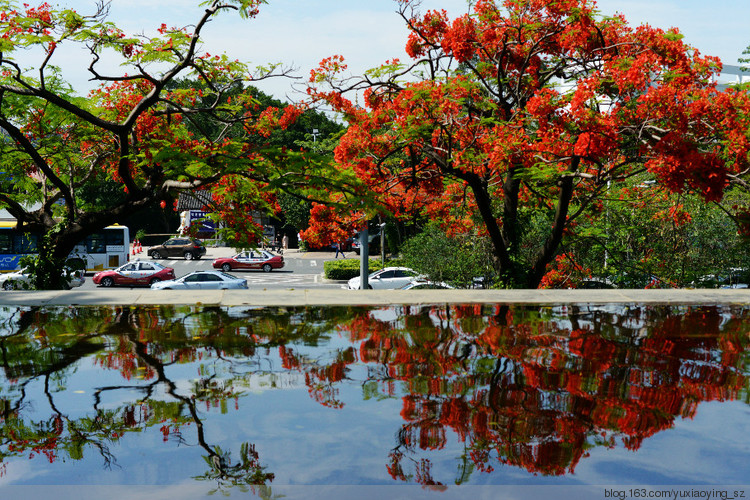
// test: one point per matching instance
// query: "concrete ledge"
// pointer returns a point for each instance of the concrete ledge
(336, 297)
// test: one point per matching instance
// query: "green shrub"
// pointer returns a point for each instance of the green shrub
(346, 269)
(453, 259)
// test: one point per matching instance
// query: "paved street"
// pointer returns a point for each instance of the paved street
(301, 283)
(301, 269)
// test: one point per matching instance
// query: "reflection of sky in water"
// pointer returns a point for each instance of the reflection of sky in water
(696, 451)
(305, 443)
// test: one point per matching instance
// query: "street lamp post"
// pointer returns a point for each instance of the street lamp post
(382, 243)
(364, 259)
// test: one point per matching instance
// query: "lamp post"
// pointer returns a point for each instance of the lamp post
(364, 259)
(382, 244)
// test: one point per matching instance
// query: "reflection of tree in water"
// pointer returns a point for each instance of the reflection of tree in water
(141, 344)
(26, 357)
(538, 388)
(533, 388)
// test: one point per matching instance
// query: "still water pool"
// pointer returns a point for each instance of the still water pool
(341, 402)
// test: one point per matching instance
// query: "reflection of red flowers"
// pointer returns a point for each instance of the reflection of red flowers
(547, 392)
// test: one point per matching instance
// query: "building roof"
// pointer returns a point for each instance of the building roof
(194, 200)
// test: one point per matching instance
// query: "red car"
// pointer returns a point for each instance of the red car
(134, 273)
(255, 259)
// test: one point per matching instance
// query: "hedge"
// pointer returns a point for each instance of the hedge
(346, 269)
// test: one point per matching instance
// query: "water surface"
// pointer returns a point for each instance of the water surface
(236, 399)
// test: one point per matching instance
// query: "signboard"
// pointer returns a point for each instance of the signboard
(9, 262)
(198, 218)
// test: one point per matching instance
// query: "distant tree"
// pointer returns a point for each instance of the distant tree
(651, 238)
(295, 212)
(745, 61)
(305, 143)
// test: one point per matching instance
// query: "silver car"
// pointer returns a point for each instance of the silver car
(20, 279)
(202, 280)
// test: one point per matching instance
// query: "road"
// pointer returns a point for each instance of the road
(301, 270)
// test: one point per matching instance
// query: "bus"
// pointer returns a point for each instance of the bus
(106, 249)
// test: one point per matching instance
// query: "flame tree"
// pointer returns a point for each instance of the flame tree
(533, 108)
(139, 127)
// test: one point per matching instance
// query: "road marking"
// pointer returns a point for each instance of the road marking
(314, 263)
(297, 278)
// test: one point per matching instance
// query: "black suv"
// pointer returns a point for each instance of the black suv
(189, 248)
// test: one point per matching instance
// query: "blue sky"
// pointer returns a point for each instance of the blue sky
(367, 32)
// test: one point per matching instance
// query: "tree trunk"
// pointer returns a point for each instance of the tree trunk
(506, 239)
(501, 257)
(49, 265)
(549, 251)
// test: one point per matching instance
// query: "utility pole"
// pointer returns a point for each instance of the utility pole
(382, 244)
(364, 259)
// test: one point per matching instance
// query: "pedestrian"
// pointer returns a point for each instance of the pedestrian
(337, 246)
(285, 242)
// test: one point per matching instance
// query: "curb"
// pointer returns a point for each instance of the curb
(341, 297)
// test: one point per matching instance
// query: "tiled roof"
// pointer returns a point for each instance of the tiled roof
(195, 200)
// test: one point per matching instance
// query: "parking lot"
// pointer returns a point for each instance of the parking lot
(301, 269)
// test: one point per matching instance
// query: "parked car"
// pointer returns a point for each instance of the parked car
(202, 280)
(596, 283)
(737, 277)
(253, 259)
(388, 278)
(735, 285)
(482, 282)
(421, 284)
(190, 248)
(20, 279)
(134, 273)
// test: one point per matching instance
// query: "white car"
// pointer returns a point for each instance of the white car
(20, 279)
(421, 284)
(389, 278)
(202, 280)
